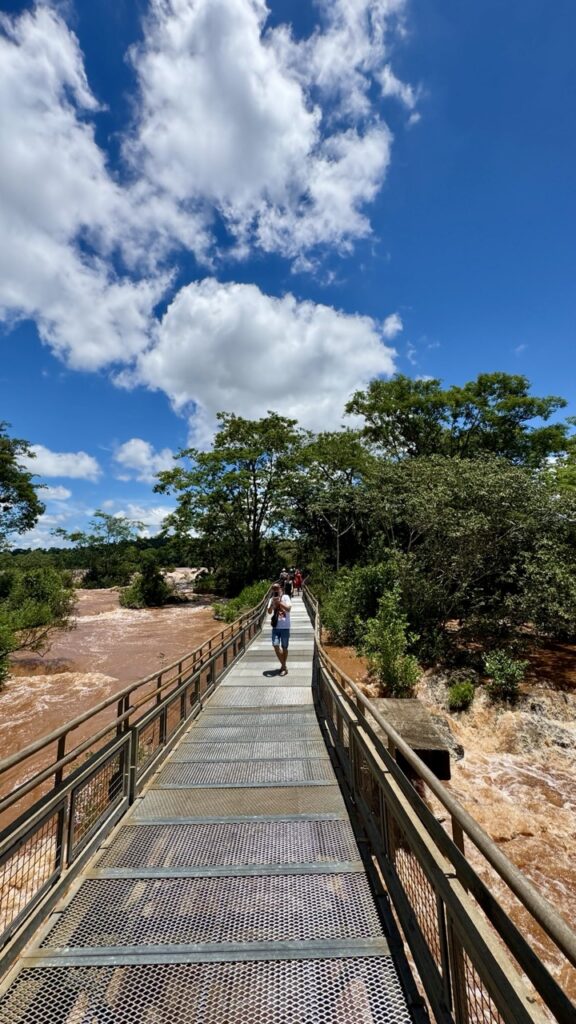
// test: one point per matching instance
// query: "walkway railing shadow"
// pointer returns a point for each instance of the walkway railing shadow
(70, 790)
(475, 964)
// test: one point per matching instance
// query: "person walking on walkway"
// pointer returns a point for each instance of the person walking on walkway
(279, 608)
(297, 582)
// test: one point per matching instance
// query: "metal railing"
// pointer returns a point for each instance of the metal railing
(70, 790)
(475, 964)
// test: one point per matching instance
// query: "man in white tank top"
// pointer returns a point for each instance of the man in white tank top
(279, 608)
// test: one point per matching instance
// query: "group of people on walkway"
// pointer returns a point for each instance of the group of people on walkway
(279, 607)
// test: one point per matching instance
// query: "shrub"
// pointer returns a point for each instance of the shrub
(460, 696)
(353, 600)
(506, 674)
(149, 589)
(386, 639)
(248, 598)
(206, 584)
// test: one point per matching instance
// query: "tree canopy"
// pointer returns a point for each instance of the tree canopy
(107, 550)
(20, 505)
(236, 494)
(493, 414)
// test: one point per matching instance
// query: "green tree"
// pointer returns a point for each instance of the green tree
(149, 589)
(107, 550)
(353, 599)
(328, 498)
(493, 414)
(467, 538)
(386, 641)
(505, 675)
(34, 601)
(235, 495)
(33, 604)
(20, 506)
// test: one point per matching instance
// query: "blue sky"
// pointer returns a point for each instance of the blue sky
(223, 204)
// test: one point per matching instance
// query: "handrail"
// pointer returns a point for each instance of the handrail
(43, 845)
(44, 741)
(543, 912)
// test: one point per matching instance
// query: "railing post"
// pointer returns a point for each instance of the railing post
(458, 976)
(444, 951)
(60, 752)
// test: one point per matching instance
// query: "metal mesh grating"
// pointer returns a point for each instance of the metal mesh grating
(480, 1006)
(94, 797)
(234, 734)
(347, 991)
(246, 773)
(225, 803)
(261, 696)
(420, 895)
(173, 715)
(258, 842)
(25, 872)
(255, 677)
(149, 741)
(256, 908)
(262, 717)
(261, 751)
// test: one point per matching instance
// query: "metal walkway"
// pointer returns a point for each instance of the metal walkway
(233, 892)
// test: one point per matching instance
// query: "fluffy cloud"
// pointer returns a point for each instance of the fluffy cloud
(235, 120)
(137, 460)
(392, 86)
(61, 214)
(55, 494)
(151, 516)
(77, 465)
(392, 325)
(278, 135)
(229, 346)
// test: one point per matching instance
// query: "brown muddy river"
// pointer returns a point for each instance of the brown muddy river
(108, 647)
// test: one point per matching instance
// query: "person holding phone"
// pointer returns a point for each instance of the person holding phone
(279, 609)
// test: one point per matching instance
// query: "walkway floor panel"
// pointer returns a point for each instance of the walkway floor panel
(233, 891)
(230, 843)
(349, 991)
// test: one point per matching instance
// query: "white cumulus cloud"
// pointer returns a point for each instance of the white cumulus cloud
(137, 460)
(61, 213)
(236, 120)
(78, 465)
(232, 347)
(393, 86)
(151, 516)
(392, 325)
(55, 494)
(276, 134)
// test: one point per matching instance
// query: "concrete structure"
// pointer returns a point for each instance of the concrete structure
(412, 720)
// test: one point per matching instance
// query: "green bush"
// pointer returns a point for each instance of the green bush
(33, 603)
(506, 674)
(352, 600)
(149, 589)
(206, 584)
(385, 642)
(248, 598)
(460, 696)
